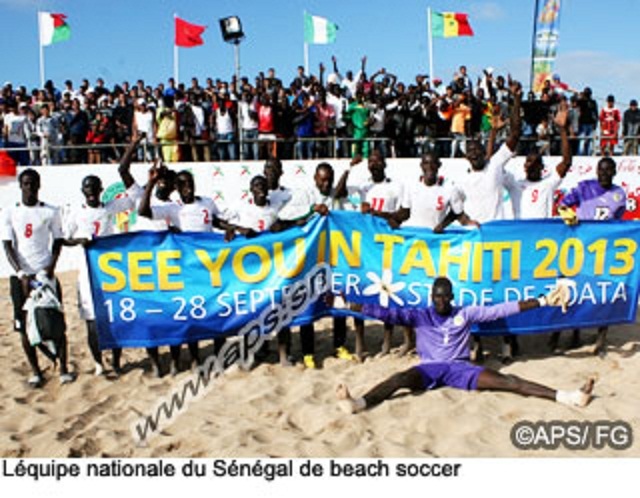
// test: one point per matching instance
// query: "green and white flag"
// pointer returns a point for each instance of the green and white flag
(53, 28)
(319, 30)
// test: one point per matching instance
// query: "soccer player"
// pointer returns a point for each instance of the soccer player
(532, 197)
(481, 193)
(325, 198)
(427, 203)
(600, 200)
(95, 218)
(250, 219)
(442, 332)
(191, 214)
(32, 239)
(380, 196)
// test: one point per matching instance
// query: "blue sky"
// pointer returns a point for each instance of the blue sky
(126, 40)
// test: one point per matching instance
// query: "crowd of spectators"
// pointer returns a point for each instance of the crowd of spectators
(311, 117)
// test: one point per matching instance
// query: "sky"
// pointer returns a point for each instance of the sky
(126, 40)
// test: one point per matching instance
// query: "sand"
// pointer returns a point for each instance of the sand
(292, 412)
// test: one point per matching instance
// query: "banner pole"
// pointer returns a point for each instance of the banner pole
(533, 45)
(430, 48)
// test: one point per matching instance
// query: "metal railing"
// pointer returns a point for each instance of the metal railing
(294, 148)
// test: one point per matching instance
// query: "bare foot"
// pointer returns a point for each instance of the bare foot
(600, 347)
(586, 391)
(404, 349)
(386, 347)
(347, 402)
(342, 392)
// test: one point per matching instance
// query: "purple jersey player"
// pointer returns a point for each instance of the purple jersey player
(442, 335)
(600, 200)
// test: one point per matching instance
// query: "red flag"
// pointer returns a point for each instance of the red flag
(187, 34)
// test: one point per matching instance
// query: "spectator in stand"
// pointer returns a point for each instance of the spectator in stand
(378, 127)
(304, 111)
(248, 118)
(543, 132)
(587, 121)
(223, 122)
(122, 121)
(573, 124)
(560, 88)
(609, 127)
(487, 83)
(78, 129)
(195, 127)
(167, 132)
(95, 136)
(631, 129)
(14, 132)
(284, 126)
(358, 114)
(33, 139)
(266, 126)
(47, 128)
(460, 125)
(144, 126)
(324, 124)
(339, 103)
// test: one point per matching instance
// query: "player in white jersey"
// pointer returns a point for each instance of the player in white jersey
(191, 214)
(279, 196)
(324, 198)
(162, 197)
(427, 204)
(532, 196)
(250, 219)
(32, 237)
(92, 219)
(380, 196)
(253, 217)
(481, 190)
(482, 193)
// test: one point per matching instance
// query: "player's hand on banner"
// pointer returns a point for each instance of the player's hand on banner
(560, 295)
(568, 215)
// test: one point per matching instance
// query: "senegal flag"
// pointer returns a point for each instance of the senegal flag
(450, 24)
(53, 28)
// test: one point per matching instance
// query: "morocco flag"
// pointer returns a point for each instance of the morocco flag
(187, 34)
(53, 28)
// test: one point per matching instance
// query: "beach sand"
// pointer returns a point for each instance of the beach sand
(292, 412)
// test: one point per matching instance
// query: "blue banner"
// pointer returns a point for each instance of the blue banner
(164, 288)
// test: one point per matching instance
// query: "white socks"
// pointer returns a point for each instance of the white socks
(359, 404)
(573, 398)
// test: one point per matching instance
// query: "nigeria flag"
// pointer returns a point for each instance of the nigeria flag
(319, 30)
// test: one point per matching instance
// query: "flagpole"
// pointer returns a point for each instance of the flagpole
(176, 62)
(306, 58)
(430, 48)
(306, 45)
(41, 51)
